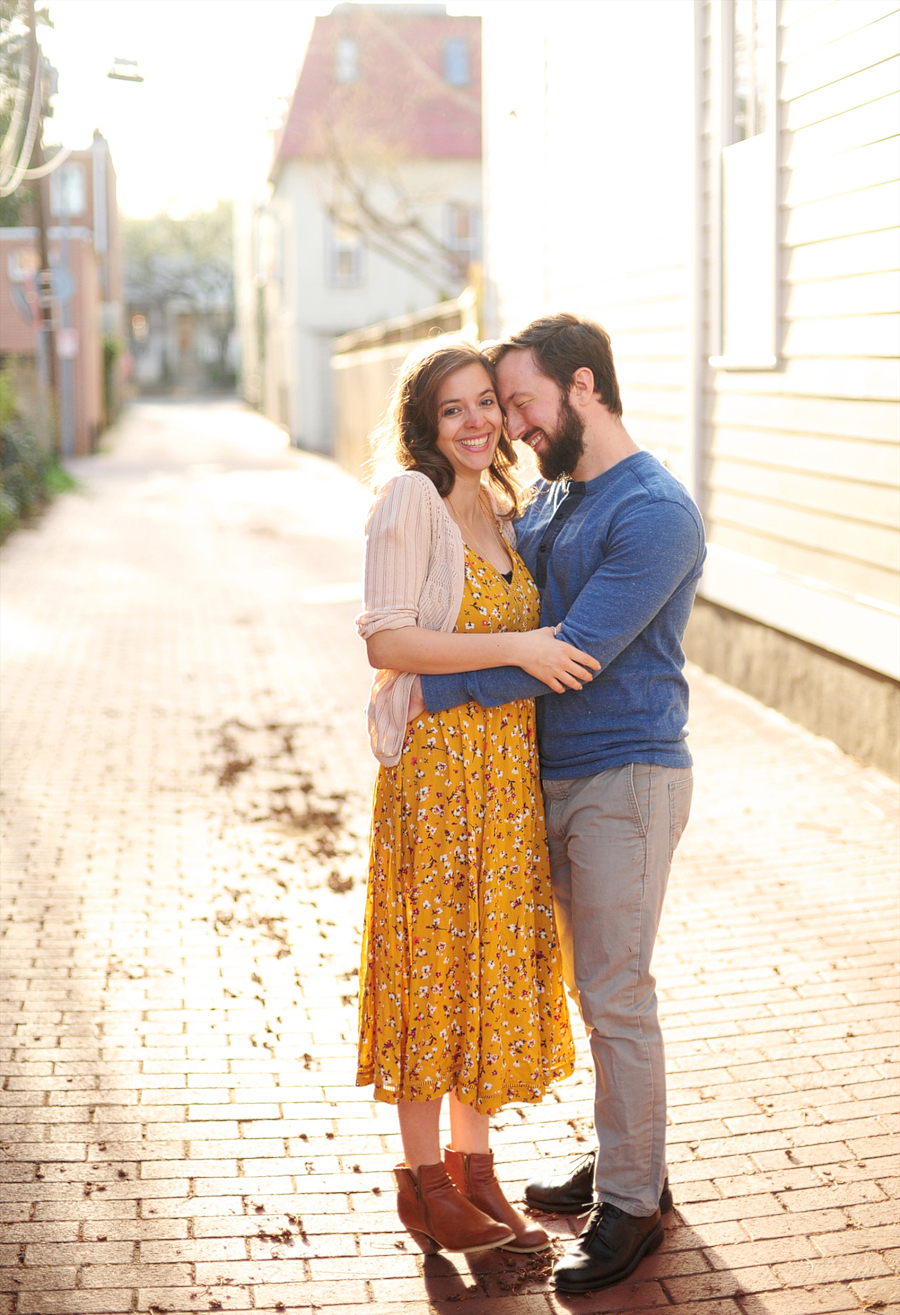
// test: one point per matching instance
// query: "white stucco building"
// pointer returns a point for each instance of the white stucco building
(374, 206)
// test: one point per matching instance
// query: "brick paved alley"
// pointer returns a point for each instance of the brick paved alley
(186, 779)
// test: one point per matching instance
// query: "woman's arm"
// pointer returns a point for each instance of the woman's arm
(433, 652)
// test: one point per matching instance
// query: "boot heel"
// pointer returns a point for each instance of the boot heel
(424, 1242)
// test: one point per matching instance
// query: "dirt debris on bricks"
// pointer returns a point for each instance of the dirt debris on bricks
(184, 814)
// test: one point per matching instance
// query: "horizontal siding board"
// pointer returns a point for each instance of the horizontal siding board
(847, 30)
(845, 132)
(639, 315)
(879, 162)
(860, 253)
(845, 498)
(868, 211)
(660, 403)
(853, 577)
(660, 374)
(843, 380)
(643, 285)
(630, 255)
(847, 93)
(823, 417)
(655, 433)
(869, 294)
(841, 458)
(872, 544)
(860, 335)
(797, 11)
(647, 344)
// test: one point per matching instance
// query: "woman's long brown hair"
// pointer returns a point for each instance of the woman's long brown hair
(408, 434)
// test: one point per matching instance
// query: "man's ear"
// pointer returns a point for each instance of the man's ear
(581, 389)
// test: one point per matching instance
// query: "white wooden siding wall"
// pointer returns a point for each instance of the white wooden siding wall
(587, 160)
(589, 148)
(803, 463)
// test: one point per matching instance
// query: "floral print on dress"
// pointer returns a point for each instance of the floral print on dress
(461, 978)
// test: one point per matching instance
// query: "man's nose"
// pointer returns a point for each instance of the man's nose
(515, 425)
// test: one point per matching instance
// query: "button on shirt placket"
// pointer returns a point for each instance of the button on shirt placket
(569, 504)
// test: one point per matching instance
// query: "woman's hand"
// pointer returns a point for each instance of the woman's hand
(556, 663)
(416, 701)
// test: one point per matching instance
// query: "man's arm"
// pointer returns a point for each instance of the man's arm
(494, 686)
(654, 548)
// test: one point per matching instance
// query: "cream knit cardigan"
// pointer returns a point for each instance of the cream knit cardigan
(414, 576)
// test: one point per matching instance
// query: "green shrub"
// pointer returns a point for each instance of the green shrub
(29, 474)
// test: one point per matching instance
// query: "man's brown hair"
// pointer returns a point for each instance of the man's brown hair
(562, 344)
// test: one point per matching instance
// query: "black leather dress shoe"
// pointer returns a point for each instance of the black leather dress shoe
(610, 1247)
(575, 1195)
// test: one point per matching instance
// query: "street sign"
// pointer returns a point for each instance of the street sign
(66, 344)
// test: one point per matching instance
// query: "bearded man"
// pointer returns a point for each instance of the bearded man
(616, 546)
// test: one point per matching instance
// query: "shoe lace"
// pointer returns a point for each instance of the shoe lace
(600, 1213)
(581, 1162)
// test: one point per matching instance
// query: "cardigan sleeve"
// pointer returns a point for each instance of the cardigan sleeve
(398, 539)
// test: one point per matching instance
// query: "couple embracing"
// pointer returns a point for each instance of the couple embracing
(528, 713)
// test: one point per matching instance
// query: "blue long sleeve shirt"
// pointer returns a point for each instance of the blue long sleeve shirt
(617, 560)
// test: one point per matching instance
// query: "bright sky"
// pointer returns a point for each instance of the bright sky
(216, 73)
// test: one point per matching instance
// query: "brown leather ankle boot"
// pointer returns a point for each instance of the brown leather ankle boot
(475, 1178)
(437, 1216)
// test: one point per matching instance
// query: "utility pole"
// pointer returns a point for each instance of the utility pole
(46, 337)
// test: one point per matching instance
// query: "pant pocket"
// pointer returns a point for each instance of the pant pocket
(680, 793)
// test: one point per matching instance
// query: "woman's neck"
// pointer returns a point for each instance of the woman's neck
(464, 498)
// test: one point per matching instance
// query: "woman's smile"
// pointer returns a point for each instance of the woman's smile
(469, 420)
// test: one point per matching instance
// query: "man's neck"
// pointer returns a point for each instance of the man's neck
(606, 443)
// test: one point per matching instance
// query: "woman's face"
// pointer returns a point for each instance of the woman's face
(469, 420)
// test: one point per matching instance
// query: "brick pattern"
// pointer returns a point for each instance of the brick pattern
(184, 817)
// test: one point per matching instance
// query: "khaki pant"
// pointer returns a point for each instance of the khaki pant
(611, 838)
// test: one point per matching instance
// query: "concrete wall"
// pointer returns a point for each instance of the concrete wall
(857, 708)
(365, 365)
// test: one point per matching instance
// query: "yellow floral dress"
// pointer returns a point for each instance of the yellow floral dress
(461, 982)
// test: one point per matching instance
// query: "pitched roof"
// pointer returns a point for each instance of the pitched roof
(399, 101)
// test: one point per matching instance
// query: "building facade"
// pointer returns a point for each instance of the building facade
(373, 207)
(717, 184)
(84, 249)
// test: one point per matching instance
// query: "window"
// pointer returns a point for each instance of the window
(748, 205)
(269, 254)
(346, 60)
(68, 197)
(456, 62)
(344, 267)
(464, 231)
(753, 67)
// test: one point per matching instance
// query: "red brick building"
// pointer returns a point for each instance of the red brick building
(84, 251)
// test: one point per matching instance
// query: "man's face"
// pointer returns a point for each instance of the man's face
(539, 413)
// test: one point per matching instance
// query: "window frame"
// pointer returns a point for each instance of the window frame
(748, 164)
(335, 248)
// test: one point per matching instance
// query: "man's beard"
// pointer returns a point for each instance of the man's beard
(565, 448)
